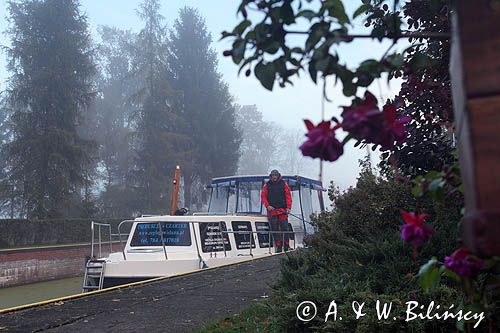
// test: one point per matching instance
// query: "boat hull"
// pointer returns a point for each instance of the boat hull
(125, 272)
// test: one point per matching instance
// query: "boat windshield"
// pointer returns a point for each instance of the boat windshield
(249, 197)
(242, 195)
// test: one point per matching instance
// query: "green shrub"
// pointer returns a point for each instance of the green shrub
(358, 255)
(256, 318)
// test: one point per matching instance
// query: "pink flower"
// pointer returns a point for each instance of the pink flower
(463, 263)
(321, 142)
(365, 122)
(393, 129)
(415, 231)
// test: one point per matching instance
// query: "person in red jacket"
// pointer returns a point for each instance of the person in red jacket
(277, 198)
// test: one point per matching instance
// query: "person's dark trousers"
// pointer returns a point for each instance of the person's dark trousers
(279, 238)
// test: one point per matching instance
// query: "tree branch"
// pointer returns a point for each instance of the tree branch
(433, 35)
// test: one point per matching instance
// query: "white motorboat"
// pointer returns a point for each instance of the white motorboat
(234, 229)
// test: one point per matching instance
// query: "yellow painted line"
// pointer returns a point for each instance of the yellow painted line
(49, 246)
(76, 296)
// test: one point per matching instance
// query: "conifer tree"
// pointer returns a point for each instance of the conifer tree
(49, 90)
(112, 114)
(208, 108)
(157, 136)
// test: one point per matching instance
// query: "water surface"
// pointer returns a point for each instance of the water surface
(36, 292)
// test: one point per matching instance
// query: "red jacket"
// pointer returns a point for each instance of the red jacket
(278, 211)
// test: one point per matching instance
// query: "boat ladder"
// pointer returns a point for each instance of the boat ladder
(94, 275)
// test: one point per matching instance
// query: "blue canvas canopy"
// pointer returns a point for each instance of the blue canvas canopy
(291, 180)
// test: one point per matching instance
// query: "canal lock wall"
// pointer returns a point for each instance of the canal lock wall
(41, 250)
(24, 266)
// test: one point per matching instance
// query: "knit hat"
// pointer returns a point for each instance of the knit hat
(274, 173)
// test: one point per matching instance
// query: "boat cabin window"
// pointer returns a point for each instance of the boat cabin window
(213, 238)
(218, 200)
(317, 200)
(249, 197)
(242, 235)
(231, 200)
(306, 200)
(261, 236)
(291, 235)
(296, 204)
(174, 234)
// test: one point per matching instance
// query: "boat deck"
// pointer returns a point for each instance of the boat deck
(178, 304)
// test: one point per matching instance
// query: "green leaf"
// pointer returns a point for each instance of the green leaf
(322, 64)
(308, 14)
(474, 309)
(286, 13)
(226, 34)
(396, 60)
(294, 62)
(313, 72)
(436, 184)
(436, 189)
(261, 31)
(280, 66)
(315, 35)
(239, 47)
(336, 9)
(240, 28)
(337, 36)
(378, 32)
(430, 275)
(434, 6)
(246, 62)
(349, 89)
(271, 47)
(417, 191)
(346, 76)
(367, 71)
(266, 74)
(250, 35)
(421, 61)
(418, 179)
(346, 139)
(361, 9)
(451, 275)
(369, 65)
(431, 175)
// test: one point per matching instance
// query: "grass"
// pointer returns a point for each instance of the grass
(255, 318)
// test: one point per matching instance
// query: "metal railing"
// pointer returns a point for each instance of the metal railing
(96, 230)
(269, 240)
(222, 232)
(99, 244)
(120, 236)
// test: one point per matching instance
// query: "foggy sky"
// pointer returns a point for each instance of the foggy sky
(287, 107)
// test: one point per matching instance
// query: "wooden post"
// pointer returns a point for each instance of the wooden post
(175, 190)
(475, 73)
